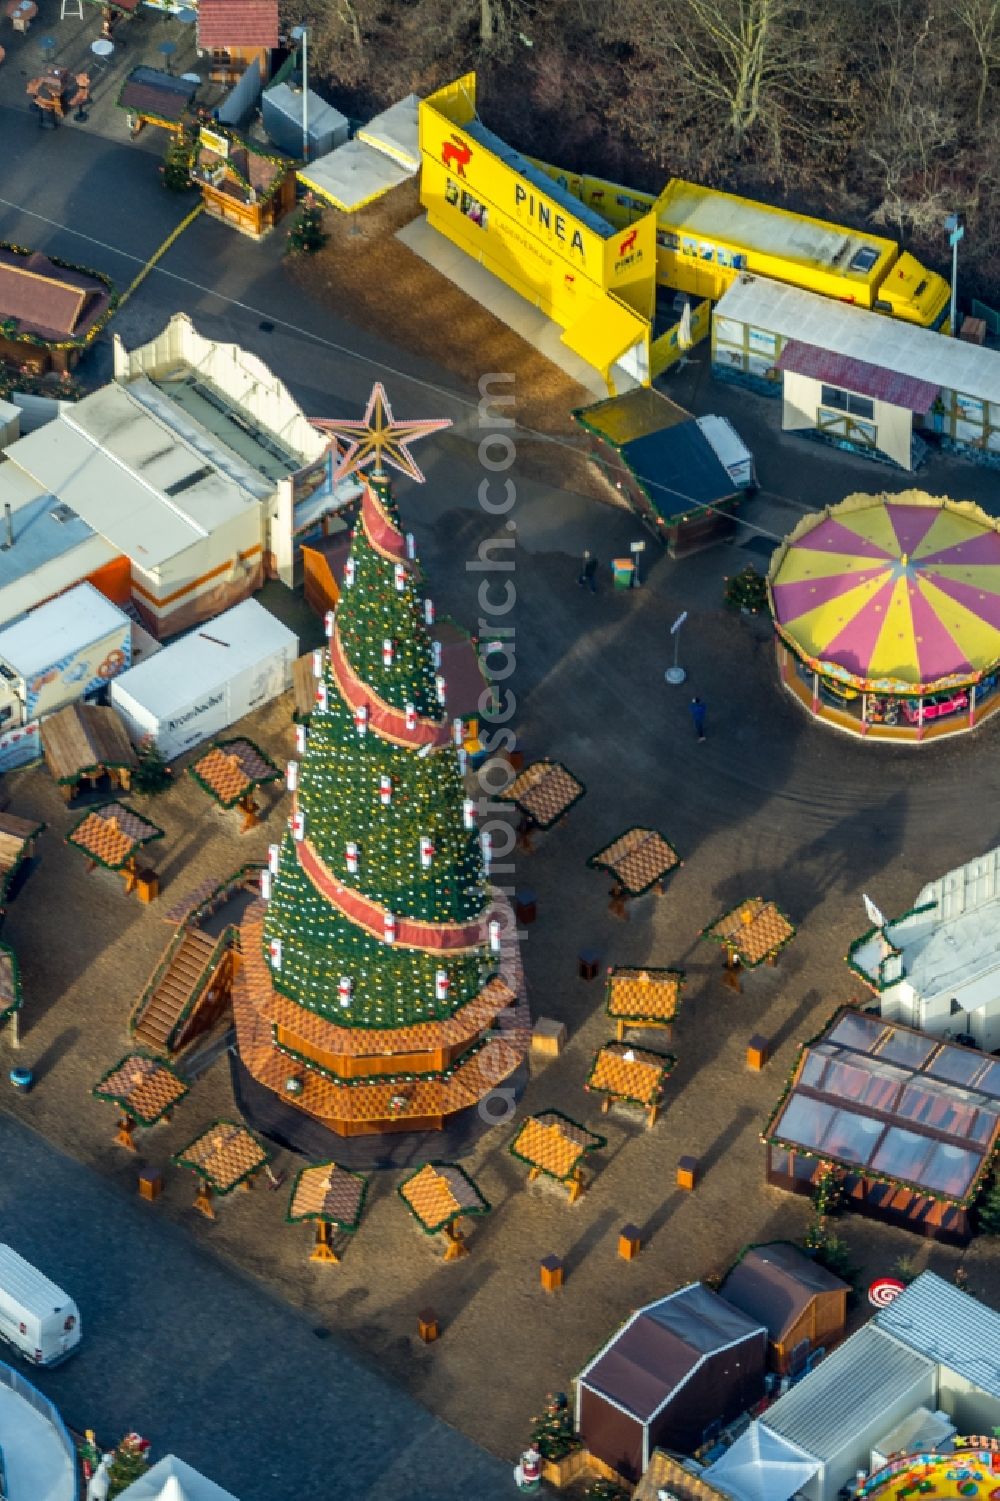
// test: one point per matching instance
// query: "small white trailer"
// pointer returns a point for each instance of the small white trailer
(37, 1318)
(207, 680)
(67, 649)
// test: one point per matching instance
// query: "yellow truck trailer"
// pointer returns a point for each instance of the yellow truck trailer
(706, 238)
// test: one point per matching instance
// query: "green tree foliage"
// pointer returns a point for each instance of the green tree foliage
(152, 774)
(129, 1463)
(552, 1431)
(307, 234)
(176, 169)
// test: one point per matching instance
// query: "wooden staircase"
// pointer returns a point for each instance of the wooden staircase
(167, 1016)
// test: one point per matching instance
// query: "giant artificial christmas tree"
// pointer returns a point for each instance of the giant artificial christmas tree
(377, 991)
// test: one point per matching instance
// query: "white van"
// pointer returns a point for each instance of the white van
(36, 1317)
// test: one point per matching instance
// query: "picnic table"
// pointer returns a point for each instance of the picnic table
(225, 1157)
(639, 859)
(21, 13)
(112, 835)
(752, 933)
(438, 1195)
(630, 1075)
(551, 1143)
(144, 1088)
(543, 794)
(643, 997)
(333, 1198)
(47, 90)
(230, 771)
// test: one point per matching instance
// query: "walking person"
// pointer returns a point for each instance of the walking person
(698, 717)
(588, 573)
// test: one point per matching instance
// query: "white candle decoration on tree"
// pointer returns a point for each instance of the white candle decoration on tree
(351, 856)
(487, 847)
(463, 757)
(428, 612)
(292, 775)
(349, 571)
(265, 885)
(440, 688)
(436, 653)
(318, 662)
(399, 575)
(361, 718)
(468, 813)
(301, 736)
(274, 949)
(458, 731)
(411, 717)
(495, 936)
(344, 988)
(298, 824)
(329, 621)
(389, 927)
(385, 790)
(411, 546)
(273, 854)
(441, 984)
(321, 698)
(387, 653)
(426, 852)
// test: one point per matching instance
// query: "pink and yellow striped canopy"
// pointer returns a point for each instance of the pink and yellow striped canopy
(892, 593)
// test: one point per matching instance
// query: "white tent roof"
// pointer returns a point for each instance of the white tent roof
(352, 175)
(762, 1466)
(395, 131)
(173, 1480)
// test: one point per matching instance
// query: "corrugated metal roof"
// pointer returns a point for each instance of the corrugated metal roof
(238, 23)
(129, 476)
(857, 375)
(949, 1327)
(879, 340)
(849, 1390)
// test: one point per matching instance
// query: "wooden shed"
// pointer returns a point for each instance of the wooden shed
(675, 1369)
(801, 1304)
(85, 742)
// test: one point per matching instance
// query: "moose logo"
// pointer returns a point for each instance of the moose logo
(628, 243)
(456, 153)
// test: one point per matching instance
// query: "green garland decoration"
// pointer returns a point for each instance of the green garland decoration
(15, 980)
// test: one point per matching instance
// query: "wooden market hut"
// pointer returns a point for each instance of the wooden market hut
(50, 310)
(677, 1367)
(670, 467)
(802, 1305)
(241, 183)
(151, 97)
(664, 1474)
(908, 1123)
(237, 34)
(17, 845)
(85, 742)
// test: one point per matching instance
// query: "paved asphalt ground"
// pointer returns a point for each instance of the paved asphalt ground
(227, 1377)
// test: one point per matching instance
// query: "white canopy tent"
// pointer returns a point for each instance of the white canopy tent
(172, 1480)
(762, 1466)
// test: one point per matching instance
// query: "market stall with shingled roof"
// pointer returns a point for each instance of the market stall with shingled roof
(639, 859)
(150, 96)
(144, 1088)
(230, 771)
(630, 1076)
(543, 794)
(85, 742)
(753, 933)
(225, 1157)
(438, 1195)
(112, 836)
(333, 1198)
(551, 1143)
(17, 844)
(643, 998)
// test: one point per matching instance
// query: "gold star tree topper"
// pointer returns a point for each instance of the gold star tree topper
(378, 439)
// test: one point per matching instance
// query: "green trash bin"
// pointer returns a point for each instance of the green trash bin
(623, 572)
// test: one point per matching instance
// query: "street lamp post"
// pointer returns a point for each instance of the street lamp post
(956, 230)
(301, 34)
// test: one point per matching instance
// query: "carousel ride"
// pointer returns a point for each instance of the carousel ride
(967, 1474)
(886, 610)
